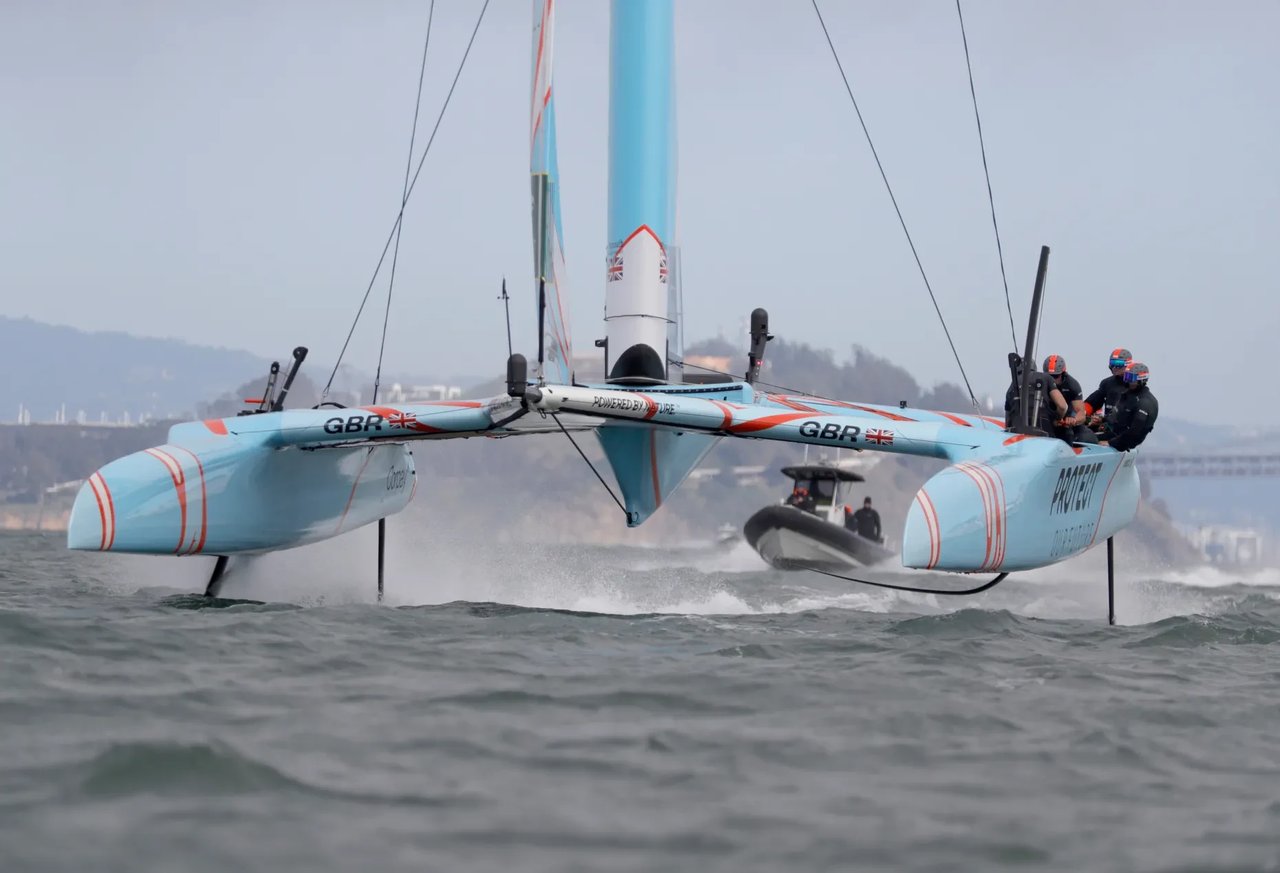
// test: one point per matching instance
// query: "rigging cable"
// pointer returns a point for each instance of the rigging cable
(412, 184)
(404, 198)
(733, 377)
(990, 197)
(574, 442)
(896, 208)
(506, 302)
(961, 592)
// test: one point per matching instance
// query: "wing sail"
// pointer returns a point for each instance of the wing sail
(555, 350)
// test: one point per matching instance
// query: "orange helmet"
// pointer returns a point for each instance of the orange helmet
(1119, 357)
(1135, 371)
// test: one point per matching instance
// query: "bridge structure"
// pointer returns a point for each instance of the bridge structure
(1235, 465)
(1153, 465)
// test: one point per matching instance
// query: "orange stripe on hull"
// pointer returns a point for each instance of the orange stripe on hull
(932, 526)
(955, 418)
(768, 421)
(198, 547)
(179, 485)
(352, 496)
(102, 509)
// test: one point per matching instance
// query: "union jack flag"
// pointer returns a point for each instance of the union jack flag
(662, 269)
(615, 267)
(401, 419)
(880, 437)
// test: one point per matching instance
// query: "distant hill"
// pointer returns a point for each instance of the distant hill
(48, 368)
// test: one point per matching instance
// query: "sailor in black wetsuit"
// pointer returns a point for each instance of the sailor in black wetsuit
(1069, 427)
(1135, 412)
(1109, 389)
(1052, 404)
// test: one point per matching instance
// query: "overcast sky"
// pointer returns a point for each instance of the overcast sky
(227, 173)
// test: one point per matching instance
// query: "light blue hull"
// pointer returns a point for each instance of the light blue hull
(264, 482)
(178, 500)
(1037, 503)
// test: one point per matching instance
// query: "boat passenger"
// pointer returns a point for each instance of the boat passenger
(865, 522)
(1135, 412)
(801, 499)
(1109, 389)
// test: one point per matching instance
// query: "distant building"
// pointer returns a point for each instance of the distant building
(398, 393)
(712, 364)
(1224, 544)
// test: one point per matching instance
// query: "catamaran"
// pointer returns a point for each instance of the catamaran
(1009, 498)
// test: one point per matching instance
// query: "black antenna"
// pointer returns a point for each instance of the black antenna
(542, 314)
(1025, 419)
(506, 303)
(299, 354)
(265, 403)
(760, 337)
(517, 375)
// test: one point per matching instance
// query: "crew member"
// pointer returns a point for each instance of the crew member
(866, 521)
(1053, 405)
(1109, 389)
(1070, 427)
(1135, 412)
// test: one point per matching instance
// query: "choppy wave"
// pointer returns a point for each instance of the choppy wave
(548, 708)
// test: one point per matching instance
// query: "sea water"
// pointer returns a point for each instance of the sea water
(572, 708)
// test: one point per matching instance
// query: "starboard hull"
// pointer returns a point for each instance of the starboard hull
(1043, 504)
